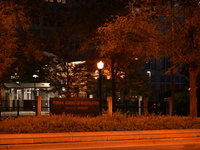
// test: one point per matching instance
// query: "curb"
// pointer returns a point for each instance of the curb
(106, 144)
(72, 137)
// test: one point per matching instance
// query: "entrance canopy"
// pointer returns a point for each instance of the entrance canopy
(27, 85)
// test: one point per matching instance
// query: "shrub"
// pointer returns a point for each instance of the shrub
(116, 122)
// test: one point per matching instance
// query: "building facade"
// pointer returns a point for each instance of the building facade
(26, 94)
(161, 79)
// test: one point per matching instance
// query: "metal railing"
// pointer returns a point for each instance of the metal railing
(17, 108)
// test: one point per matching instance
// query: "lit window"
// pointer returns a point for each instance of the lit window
(27, 93)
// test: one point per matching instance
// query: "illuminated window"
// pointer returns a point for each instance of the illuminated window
(27, 93)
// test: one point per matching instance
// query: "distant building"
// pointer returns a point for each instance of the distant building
(26, 93)
(161, 81)
(156, 69)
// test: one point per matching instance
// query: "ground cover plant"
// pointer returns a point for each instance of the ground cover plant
(116, 122)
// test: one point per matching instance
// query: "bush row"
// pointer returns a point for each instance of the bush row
(116, 122)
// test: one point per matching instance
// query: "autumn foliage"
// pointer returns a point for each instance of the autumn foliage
(12, 18)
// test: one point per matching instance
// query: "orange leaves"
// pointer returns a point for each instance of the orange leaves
(12, 18)
(130, 33)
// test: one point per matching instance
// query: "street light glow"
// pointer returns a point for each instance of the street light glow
(149, 72)
(100, 65)
(35, 76)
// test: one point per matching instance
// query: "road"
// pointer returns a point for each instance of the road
(157, 147)
(109, 145)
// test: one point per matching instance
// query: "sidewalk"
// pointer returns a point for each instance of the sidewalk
(73, 137)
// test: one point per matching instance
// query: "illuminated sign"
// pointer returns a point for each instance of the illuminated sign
(75, 106)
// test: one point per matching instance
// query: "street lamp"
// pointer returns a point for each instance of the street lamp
(35, 94)
(35, 76)
(149, 73)
(100, 66)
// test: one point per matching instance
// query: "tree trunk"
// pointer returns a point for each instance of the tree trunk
(173, 92)
(113, 86)
(193, 94)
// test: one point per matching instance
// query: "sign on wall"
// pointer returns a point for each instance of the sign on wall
(75, 106)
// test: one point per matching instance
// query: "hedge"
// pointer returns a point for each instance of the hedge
(116, 122)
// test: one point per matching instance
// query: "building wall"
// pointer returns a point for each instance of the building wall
(161, 80)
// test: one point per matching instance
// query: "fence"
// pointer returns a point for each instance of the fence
(17, 108)
(151, 107)
(27, 107)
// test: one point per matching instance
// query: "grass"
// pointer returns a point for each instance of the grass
(116, 122)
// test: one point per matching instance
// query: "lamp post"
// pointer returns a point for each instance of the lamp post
(149, 73)
(100, 66)
(35, 94)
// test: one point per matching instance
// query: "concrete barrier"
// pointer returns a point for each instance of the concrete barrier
(35, 138)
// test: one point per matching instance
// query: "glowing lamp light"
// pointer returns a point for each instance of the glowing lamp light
(35, 76)
(100, 65)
